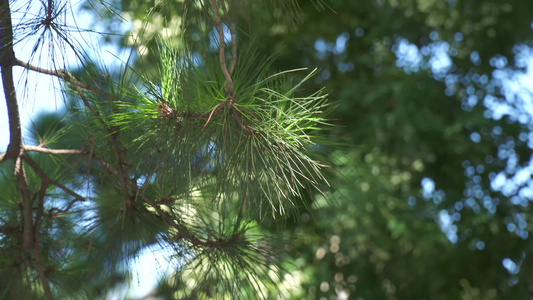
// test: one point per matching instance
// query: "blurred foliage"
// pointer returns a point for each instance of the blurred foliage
(415, 120)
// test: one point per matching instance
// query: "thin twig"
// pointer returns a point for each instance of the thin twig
(89, 163)
(121, 165)
(112, 138)
(104, 163)
(221, 50)
(237, 116)
(65, 75)
(53, 151)
(217, 108)
(233, 38)
(37, 249)
(250, 171)
(27, 205)
(45, 178)
(91, 155)
(89, 106)
(69, 206)
(49, 10)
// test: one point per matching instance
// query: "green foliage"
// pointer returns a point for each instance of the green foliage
(206, 139)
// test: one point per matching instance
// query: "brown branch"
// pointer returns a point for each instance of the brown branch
(121, 166)
(46, 179)
(14, 150)
(37, 249)
(65, 75)
(69, 206)
(27, 205)
(233, 38)
(217, 108)
(49, 10)
(28, 148)
(7, 57)
(41, 149)
(104, 163)
(221, 50)
(237, 116)
(89, 106)
(53, 151)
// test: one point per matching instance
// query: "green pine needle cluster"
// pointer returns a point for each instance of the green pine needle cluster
(190, 159)
(251, 149)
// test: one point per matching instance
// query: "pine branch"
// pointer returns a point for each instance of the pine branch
(112, 137)
(46, 179)
(121, 164)
(49, 10)
(37, 250)
(233, 38)
(40, 149)
(7, 58)
(53, 151)
(221, 50)
(65, 75)
(27, 205)
(14, 150)
(62, 211)
(89, 106)
(105, 164)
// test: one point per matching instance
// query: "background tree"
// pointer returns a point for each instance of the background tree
(191, 155)
(435, 202)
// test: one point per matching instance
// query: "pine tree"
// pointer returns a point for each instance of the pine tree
(187, 152)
